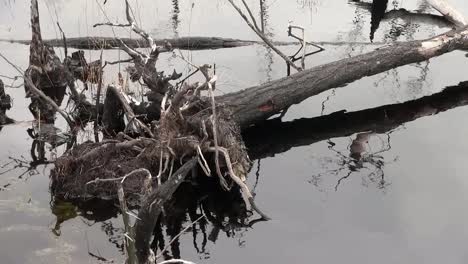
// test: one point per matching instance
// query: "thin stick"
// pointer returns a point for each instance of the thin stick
(121, 179)
(264, 38)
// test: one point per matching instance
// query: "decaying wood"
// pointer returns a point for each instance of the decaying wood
(258, 103)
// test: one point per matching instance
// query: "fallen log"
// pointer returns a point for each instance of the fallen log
(98, 43)
(184, 43)
(273, 137)
(448, 12)
(258, 103)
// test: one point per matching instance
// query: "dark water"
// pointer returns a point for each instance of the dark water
(385, 185)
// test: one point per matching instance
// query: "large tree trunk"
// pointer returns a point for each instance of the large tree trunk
(261, 102)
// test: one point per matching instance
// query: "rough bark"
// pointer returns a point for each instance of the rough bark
(258, 103)
(273, 137)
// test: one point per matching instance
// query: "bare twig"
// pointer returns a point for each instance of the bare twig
(263, 37)
(122, 179)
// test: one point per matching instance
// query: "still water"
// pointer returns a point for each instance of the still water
(360, 189)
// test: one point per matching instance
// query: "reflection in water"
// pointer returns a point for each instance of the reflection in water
(361, 159)
(273, 137)
(175, 17)
(377, 13)
(355, 33)
(268, 31)
(5, 104)
(202, 210)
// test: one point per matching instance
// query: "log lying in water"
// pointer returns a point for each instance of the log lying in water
(185, 43)
(273, 137)
(97, 43)
(258, 103)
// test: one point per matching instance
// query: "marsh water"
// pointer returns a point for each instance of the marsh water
(357, 188)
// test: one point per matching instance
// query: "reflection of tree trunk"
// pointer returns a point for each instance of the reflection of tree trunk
(378, 12)
(258, 103)
(5, 104)
(273, 137)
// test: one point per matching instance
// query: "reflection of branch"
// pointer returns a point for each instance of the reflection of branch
(342, 179)
(273, 137)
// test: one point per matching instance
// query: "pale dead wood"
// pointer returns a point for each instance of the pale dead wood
(448, 11)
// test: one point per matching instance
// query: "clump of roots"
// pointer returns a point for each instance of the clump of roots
(190, 126)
